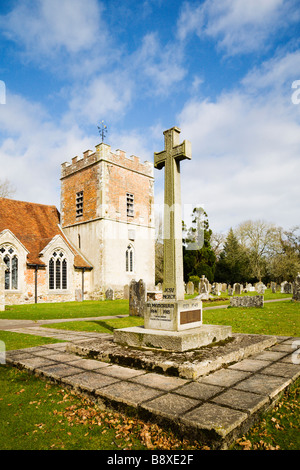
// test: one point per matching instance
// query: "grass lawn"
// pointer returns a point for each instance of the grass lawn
(44, 311)
(38, 415)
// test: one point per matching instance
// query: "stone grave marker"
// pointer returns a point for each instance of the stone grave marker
(203, 285)
(109, 294)
(296, 289)
(237, 288)
(126, 292)
(137, 298)
(190, 288)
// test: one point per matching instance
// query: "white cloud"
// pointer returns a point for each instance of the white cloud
(238, 26)
(246, 148)
(33, 148)
(106, 95)
(160, 65)
(44, 26)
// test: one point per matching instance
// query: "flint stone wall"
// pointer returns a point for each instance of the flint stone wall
(247, 301)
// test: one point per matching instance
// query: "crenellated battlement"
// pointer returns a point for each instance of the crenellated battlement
(103, 153)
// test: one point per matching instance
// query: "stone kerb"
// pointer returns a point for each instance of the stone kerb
(2, 290)
(247, 301)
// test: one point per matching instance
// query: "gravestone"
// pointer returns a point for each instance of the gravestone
(282, 285)
(190, 288)
(237, 288)
(137, 298)
(273, 287)
(126, 292)
(296, 289)
(3, 267)
(109, 294)
(78, 295)
(203, 285)
(288, 288)
(172, 323)
(260, 288)
(230, 290)
(224, 287)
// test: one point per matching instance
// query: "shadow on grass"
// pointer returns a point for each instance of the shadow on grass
(104, 325)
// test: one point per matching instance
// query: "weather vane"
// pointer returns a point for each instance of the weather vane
(102, 130)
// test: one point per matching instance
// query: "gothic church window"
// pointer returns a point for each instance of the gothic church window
(10, 258)
(58, 271)
(130, 259)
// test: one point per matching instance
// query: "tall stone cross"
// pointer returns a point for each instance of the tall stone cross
(170, 158)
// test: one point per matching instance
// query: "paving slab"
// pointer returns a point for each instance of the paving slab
(170, 406)
(159, 381)
(218, 420)
(267, 385)
(225, 377)
(243, 401)
(199, 391)
(128, 393)
(89, 381)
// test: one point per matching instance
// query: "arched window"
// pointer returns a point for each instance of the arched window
(10, 258)
(130, 259)
(58, 271)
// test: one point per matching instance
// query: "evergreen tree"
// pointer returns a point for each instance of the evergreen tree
(198, 257)
(233, 264)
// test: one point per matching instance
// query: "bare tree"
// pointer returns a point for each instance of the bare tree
(262, 240)
(6, 188)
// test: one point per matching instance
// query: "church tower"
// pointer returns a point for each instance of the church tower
(106, 211)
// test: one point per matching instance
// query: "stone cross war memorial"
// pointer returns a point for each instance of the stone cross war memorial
(172, 323)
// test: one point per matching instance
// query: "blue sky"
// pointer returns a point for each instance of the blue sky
(222, 71)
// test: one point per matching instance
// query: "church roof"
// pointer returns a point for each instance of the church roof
(35, 225)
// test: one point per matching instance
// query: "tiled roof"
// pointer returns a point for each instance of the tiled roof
(34, 225)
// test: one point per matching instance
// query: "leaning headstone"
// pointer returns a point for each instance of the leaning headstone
(190, 288)
(3, 267)
(288, 288)
(247, 301)
(137, 298)
(109, 294)
(296, 289)
(273, 287)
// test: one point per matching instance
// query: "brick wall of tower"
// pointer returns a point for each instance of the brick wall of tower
(105, 178)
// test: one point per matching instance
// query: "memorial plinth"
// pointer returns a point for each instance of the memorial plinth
(173, 323)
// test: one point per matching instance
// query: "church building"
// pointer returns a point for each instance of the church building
(103, 237)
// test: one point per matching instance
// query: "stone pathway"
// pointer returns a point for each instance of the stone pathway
(216, 408)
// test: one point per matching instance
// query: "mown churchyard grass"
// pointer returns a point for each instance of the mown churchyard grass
(38, 415)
